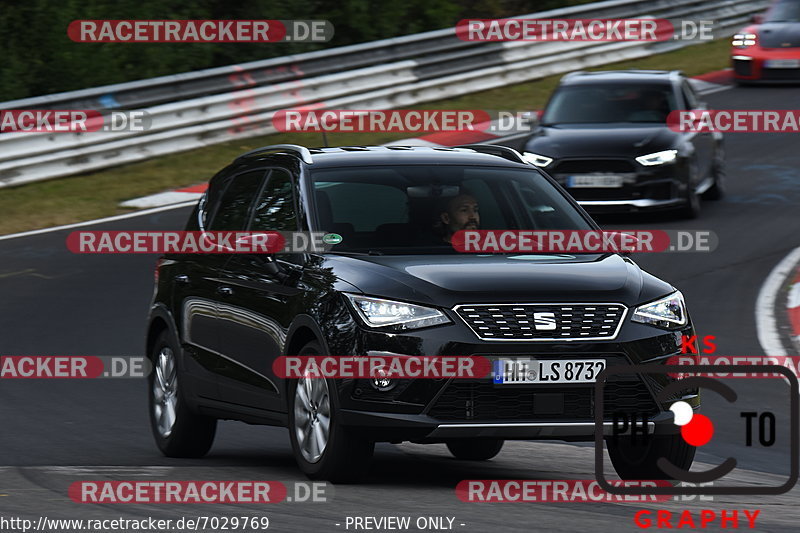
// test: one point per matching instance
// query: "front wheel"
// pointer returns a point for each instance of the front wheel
(322, 446)
(177, 430)
(691, 205)
(475, 450)
(639, 460)
(717, 190)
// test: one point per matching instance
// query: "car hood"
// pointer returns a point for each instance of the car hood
(587, 140)
(449, 280)
(779, 35)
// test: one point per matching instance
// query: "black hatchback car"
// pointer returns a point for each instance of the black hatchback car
(604, 137)
(394, 285)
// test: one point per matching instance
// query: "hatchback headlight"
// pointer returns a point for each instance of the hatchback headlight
(668, 312)
(536, 159)
(379, 313)
(658, 158)
(743, 40)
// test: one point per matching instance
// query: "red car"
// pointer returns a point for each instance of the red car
(769, 49)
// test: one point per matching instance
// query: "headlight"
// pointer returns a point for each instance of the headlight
(536, 159)
(379, 313)
(658, 158)
(668, 312)
(743, 40)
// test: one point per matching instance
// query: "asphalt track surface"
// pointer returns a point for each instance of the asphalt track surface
(55, 432)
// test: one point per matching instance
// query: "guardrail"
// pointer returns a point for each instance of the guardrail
(196, 109)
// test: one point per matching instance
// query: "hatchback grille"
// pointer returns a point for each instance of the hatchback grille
(532, 322)
(463, 400)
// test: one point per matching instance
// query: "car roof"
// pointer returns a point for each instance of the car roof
(390, 155)
(617, 76)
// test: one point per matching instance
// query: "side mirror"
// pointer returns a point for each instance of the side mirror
(757, 19)
(530, 119)
(626, 243)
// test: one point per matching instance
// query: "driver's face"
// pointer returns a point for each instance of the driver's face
(462, 213)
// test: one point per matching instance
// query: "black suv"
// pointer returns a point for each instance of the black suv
(604, 137)
(394, 285)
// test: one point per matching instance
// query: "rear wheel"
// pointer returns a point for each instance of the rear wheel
(322, 446)
(639, 461)
(475, 449)
(177, 430)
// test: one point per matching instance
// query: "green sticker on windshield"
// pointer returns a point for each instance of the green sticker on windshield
(331, 238)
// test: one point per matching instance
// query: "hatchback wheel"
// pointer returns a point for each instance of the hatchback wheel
(178, 431)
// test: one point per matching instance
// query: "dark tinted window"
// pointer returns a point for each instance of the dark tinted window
(234, 206)
(415, 208)
(274, 210)
(784, 11)
(610, 102)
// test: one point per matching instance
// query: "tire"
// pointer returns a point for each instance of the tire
(691, 207)
(717, 191)
(639, 461)
(188, 434)
(475, 449)
(323, 448)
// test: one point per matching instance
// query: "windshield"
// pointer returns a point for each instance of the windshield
(784, 11)
(605, 103)
(416, 209)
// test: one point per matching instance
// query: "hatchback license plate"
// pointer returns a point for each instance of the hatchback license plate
(600, 181)
(529, 371)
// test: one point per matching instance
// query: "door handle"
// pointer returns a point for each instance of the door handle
(183, 278)
(224, 290)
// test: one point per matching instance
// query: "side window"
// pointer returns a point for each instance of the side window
(234, 206)
(688, 96)
(274, 210)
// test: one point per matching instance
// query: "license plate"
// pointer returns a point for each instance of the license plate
(782, 63)
(528, 371)
(594, 181)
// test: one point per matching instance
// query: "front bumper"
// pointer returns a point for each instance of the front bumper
(643, 188)
(433, 410)
(752, 65)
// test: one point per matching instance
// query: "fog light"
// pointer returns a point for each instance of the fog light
(382, 382)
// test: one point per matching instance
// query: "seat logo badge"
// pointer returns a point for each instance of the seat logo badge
(544, 321)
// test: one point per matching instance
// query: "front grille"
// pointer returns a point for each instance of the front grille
(532, 322)
(588, 166)
(481, 401)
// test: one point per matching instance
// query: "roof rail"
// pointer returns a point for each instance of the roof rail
(500, 151)
(301, 151)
